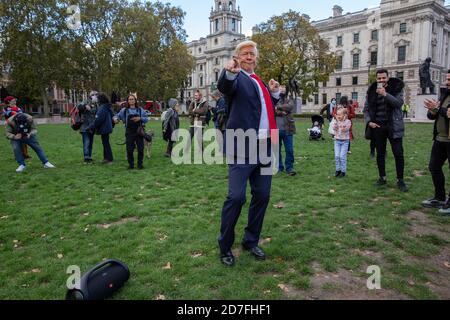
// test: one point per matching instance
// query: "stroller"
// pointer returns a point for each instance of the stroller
(315, 132)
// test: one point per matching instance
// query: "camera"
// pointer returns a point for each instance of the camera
(380, 85)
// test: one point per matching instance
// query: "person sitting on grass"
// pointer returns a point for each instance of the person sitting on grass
(21, 130)
(342, 138)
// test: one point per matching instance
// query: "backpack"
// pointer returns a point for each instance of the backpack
(75, 119)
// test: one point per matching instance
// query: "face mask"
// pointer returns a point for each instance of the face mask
(94, 99)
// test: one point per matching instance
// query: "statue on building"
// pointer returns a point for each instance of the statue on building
(425, 77)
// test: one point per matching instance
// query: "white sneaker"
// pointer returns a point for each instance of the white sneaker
(21, 168)
(48, 165)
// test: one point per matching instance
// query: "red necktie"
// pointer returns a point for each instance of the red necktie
(269, 108)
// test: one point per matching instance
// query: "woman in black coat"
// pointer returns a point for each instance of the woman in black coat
(103, 126)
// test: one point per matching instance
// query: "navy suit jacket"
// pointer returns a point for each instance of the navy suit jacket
(244, 103)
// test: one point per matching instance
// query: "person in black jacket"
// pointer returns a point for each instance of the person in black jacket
(384, 121)
(103, 126)
(439, 111)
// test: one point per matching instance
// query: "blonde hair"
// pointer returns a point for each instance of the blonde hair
(244, 44)
(341, 108)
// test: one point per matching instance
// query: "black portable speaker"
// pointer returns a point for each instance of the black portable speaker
(101, 281)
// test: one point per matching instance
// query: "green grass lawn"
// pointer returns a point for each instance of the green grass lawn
(319, 242)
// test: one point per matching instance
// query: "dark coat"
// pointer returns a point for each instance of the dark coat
(244, 103)
(103, 123)
(394, 103)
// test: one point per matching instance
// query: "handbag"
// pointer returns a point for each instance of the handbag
(368, 132)
(148, 136)
(330, 128)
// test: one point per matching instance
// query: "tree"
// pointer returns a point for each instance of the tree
(134, 47)
(34, 46)
(292, 52)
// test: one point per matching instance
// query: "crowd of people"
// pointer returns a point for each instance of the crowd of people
(244, 102)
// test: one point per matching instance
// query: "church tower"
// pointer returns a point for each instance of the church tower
(225, 17)
(213, 52)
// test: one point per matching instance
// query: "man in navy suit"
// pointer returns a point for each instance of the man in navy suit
(251, 108)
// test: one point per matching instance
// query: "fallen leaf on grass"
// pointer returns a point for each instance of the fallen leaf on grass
(168, 266)
(267, 240)
(332, 191)
(160, 297)
(36, 270)
(283, 287)
(60, 256)
(196, 255)
(279, 205)
(4, 217)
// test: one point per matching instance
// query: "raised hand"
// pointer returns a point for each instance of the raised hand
(431, 104)
(233, 66)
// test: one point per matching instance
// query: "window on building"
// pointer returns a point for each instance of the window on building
(217, 61)
(339, 62)
(230, 6)
(339, 41)
(374, 58)
(216, 76)
(199, 50)
(356, 37)
(355, 96)
(400, 75)
(316, 99)
(356, 61)
(324, 84)
(201, 67)
(403, 27)
(201, 81)
(355, 80)
(304, 102)
(374, 35)
(190, 81)
(217, 25)
(338, 96)
(324, 98)
(233, 24)
(338, 82)
(216, 41)
(401, 54)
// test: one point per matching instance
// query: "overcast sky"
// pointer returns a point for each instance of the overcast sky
(257, 11)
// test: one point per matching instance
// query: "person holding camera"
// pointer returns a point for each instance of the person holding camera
(384, 121)
(88, 109)
(21, 130)
(133, 117)
(439, 111)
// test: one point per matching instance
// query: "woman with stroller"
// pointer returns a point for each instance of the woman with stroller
(341, 127)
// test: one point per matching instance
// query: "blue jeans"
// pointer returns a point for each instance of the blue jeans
(340, 154)
(88, 142)
(288, 141)
(33, 143)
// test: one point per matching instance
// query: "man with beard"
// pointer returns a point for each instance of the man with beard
(384, 121)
